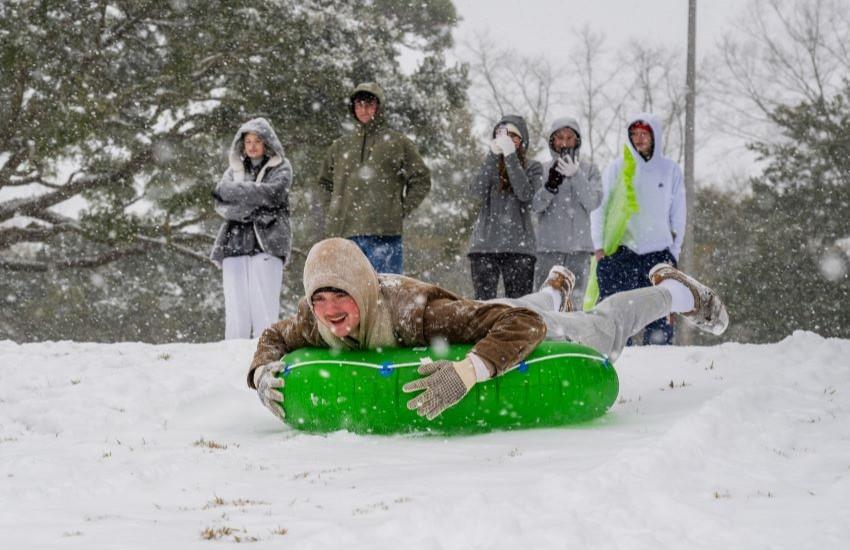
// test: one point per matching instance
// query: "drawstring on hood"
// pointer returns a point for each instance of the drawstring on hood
(339, 263)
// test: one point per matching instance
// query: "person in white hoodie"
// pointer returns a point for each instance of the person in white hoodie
(656, 229)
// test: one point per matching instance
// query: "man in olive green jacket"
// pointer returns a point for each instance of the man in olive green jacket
(372, 179)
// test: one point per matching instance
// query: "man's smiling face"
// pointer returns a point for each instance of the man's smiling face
(337, 310)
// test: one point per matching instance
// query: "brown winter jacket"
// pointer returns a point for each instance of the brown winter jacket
(503, 335)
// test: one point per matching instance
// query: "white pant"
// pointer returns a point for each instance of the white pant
(251, 294)
(606, 328)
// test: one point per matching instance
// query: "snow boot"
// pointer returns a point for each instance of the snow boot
(562, 280)
(709, 313)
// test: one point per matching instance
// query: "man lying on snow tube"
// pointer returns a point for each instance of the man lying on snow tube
(347, 305)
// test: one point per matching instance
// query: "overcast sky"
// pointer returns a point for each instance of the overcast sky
(544, 26)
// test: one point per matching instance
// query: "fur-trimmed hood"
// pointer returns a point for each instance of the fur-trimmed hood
(262, 128)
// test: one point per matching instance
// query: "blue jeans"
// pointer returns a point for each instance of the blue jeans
(384, 252)
(627, 270)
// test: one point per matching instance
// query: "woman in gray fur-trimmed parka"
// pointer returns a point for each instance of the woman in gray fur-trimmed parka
(255, 239)
(502, 241)
(572, 189)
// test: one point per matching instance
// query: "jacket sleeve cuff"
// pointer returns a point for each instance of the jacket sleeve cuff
(482, 373)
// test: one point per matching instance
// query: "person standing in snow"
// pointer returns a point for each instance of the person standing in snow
(563, 204)
(646, 224)
(502, 241)
(255, 239)
(371, 180)
(347, 305)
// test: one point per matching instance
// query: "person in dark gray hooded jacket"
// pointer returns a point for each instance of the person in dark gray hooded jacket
(502, 241)
(571, 191)
(255, 239)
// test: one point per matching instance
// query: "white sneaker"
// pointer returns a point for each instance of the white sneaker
(562, 280)
(709, 313)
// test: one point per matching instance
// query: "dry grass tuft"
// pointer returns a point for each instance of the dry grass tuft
(218, 501)
(209, 444)
(211, 533)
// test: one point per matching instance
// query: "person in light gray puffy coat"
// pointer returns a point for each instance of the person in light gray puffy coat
(502, 242)
(572, 189)
(254, 241)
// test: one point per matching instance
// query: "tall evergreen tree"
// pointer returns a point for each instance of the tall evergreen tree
(784, 263)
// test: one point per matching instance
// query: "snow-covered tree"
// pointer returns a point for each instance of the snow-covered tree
(116, 116)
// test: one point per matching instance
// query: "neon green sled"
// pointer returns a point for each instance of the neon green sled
(360, 391)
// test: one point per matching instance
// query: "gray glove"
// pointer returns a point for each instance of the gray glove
(445, 384)
(268, 384)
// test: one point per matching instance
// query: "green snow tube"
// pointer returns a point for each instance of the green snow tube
(360, 391)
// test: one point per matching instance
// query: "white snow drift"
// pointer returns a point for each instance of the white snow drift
(140, 446)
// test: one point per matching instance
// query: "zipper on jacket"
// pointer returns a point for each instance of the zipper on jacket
(259, 240)
(259, 180)
(363, 146)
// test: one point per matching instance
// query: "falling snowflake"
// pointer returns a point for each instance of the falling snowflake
(833, 266)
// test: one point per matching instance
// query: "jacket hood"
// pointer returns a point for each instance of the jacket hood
(373, 88)
(564, 122)
(517, 121)
(339, 263)
(264, 130)
(657, 136)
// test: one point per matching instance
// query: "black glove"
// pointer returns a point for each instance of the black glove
(555, 179)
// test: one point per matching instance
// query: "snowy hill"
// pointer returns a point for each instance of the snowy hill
(141, 446)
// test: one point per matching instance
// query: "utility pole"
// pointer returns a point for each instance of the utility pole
(688, 260)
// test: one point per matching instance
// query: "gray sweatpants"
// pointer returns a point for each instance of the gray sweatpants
(577, 262)
(605, 329)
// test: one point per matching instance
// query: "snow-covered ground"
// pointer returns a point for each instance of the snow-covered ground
(140, 446)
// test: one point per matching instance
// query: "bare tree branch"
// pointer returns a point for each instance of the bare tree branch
(9, 169)
(14, 235)
(509, 83)
(74, 263)
(32, 206)
(142, 246)
(182, 250)
(783, 52)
